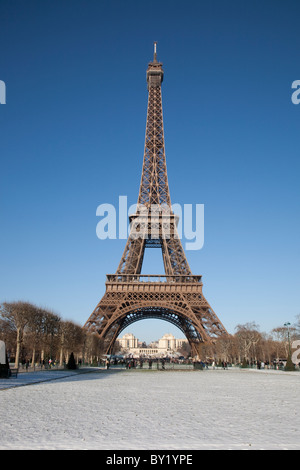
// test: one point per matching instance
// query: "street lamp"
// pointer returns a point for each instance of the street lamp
(287, 325)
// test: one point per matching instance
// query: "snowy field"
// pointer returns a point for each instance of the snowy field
(142, 409)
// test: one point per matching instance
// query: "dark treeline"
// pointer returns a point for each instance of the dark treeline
(36, 335)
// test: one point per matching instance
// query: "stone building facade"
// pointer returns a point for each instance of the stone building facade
(168, 344)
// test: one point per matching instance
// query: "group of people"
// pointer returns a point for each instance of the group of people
(43, 364)
(223, 364)
(132, 363)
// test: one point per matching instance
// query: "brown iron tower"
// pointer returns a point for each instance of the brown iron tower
(175, 296)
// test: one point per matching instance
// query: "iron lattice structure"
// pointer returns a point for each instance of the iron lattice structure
(177, 295)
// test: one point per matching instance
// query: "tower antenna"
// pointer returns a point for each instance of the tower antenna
(154, 57)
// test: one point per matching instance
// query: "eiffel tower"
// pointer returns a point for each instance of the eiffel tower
(175, 296)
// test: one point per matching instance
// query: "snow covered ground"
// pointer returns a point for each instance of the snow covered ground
(142, 409)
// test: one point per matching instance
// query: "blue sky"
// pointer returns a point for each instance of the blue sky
(72, 136)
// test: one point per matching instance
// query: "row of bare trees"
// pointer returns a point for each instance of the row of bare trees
(37, 334)
(249, 344)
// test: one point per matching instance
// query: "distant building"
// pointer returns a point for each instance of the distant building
(128, 341)
(168, 344)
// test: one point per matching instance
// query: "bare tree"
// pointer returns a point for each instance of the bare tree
(93, 348)
(185, 349)
(17, 314)
(8, 332)
(71, 339)
(50, 330)
(281, 334)
(247, 337)
(34, 330)
(225, 348)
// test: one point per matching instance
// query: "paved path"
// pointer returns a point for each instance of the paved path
(34, 377)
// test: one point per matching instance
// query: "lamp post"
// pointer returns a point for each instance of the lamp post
(287, 325)
(289, 364)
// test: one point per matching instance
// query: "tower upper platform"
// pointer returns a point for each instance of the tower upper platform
(155, 73)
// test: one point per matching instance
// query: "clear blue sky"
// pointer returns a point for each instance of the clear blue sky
(72, 137)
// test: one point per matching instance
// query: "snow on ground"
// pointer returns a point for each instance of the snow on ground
(142, 409)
